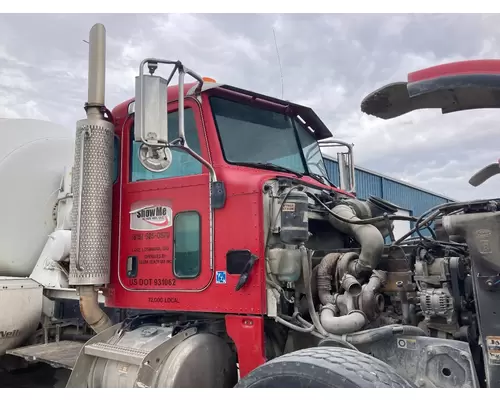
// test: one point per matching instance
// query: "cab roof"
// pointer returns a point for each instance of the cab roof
(310, 119)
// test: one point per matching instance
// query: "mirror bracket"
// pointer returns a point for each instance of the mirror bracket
(345, 162)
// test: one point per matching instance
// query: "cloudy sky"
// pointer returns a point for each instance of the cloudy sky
(330, 62)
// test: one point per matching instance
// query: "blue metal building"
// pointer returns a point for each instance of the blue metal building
(411, 199)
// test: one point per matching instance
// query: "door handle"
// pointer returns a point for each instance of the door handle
(246, 272)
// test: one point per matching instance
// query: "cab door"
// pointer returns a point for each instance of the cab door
(165, 232)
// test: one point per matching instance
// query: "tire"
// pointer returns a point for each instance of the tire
(324, 367)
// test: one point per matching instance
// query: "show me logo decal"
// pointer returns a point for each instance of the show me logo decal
(151, 215)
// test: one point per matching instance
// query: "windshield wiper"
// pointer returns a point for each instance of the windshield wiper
(271, 166)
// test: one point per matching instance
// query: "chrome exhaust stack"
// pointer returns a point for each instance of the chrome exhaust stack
(92, 183)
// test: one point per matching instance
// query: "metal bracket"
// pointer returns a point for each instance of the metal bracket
(442, 365)
(489, 283)
(345, 160)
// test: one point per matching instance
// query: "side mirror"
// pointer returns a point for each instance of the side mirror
(484, 174)
(151, 118)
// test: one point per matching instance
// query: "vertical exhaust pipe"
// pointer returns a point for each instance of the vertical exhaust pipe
(97, 69)
(92, 191)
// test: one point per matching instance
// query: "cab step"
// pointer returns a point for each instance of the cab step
(62, 354)
(116, 353)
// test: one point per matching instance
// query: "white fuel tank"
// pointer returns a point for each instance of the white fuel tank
(33, 155)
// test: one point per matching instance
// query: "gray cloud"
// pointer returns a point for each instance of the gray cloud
(330, 62)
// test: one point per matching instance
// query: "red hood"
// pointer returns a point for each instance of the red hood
(458, 86)
(314, 182)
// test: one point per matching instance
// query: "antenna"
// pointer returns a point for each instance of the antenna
(279, 62)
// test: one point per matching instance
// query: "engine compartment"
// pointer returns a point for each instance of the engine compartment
(337, 273)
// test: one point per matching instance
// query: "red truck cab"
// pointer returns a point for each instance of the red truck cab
(171, 248)
(231, 128)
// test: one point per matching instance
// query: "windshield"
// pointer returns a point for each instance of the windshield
(312, 152)
(255, 135)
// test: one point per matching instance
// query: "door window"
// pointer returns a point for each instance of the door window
(182, 163)
(187, 237)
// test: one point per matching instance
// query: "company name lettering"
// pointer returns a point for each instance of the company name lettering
(9, 334)
(152, 212)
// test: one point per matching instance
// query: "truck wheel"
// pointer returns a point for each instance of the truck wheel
(324, 367)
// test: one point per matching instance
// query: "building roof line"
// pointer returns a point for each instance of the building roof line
(332, 158)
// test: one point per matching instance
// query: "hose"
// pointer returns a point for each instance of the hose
(349, 323)
(373, 335)
(367, 221)
(419, 225)
(324, 277)
(418, 221)
(384, 332)
(370, 300)
(303, 321)
(343, 343)
(436, 211)
(337, 340)
(457, 206)
(358, 338)
(368, 236)
(292, 326)
(306, 271)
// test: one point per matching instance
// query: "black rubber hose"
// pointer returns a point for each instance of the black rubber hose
(368, 336)
(442, 207)
(418, 225)
(384, 332)
(436, 211)
(357, 338)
